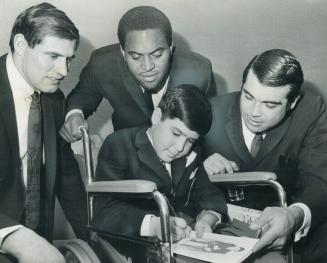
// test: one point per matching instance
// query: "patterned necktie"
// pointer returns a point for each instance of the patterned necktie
(255, 145)
(34, 159)
(148, 100)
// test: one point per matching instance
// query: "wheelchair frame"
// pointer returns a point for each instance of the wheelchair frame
(142, 188)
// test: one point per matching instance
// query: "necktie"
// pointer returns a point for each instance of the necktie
(255, 145)
(34, 158)
(148, 100)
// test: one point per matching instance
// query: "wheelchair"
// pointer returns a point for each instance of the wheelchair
(106, 247)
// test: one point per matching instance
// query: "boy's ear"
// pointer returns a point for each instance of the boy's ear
(156, 116)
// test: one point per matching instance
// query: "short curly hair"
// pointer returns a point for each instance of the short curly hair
(142, 18)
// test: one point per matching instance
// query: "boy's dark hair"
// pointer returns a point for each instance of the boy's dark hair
(275, 68)
(188, 104)
(142, 18)
(43, 20)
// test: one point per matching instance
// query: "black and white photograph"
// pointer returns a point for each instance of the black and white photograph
(128, 126)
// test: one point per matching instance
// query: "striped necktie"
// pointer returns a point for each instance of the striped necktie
(34, 159)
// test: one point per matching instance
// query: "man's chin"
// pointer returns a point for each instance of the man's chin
(50, 89)
(150, 86)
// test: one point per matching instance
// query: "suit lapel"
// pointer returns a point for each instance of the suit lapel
(233, 129)
(50, 142)
(177, 170)
(148, 156)
(7, 107)
(133, 87)
(272, 138)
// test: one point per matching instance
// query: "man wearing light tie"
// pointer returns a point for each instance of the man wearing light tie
(35, 163)
(272, 125)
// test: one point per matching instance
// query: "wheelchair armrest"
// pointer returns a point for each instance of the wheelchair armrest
(242, 177)
(123, 186)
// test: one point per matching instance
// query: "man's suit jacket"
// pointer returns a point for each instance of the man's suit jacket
(296, 150)
(128, 154)
(61, 176)
(107, 76)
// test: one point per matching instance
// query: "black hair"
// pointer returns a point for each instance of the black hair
(188, 104)
(275, 68)
(141, 18)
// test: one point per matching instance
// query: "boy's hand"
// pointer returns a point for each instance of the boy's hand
(178, 226)
(205, 223)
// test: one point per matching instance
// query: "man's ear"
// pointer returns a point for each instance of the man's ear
(171, 47)
(122, 51)
(293, 104)
(20, 44)
(156, 116)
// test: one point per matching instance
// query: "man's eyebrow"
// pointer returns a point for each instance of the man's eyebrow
(265, 101)
(52, 53)
(248, 93)
(132, 52)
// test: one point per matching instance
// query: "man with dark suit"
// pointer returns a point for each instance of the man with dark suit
(166, 154)
(293, 130)
(43, 42)
(134, 74)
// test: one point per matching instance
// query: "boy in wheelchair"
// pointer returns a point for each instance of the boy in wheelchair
(165, 153)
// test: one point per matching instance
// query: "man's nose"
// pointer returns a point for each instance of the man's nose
(256, 110)
(62, 67)
(148, 63)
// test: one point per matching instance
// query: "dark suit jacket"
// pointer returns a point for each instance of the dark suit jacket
(61, 175)
(296, 150)
(128, 154)
(107, 76)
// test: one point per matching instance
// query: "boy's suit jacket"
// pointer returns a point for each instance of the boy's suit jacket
(107, 76)
(128, 154)
(61, 176)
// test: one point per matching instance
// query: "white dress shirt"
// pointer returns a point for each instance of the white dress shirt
(303, 230)
(22, 92)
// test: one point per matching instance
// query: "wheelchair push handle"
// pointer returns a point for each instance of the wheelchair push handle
(87, 154)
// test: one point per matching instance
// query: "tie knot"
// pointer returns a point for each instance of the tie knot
(258, 137)
(35, 103)
(35, 97)
(255, 145)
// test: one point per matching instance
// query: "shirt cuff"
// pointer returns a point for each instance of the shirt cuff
(4, 232)
(213, 213)
(304, 229)
(145, 227)
(72, 112)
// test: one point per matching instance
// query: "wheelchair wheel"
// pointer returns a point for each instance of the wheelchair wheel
(78, 251)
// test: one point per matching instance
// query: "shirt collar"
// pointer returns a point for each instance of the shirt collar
(248, 136)
(18, 84)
